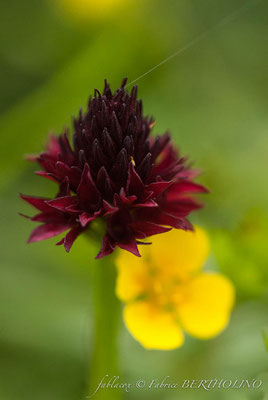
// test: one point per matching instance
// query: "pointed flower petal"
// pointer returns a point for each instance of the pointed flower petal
(108, 246)
(38, 202)
(47, 231)
(62, 203)
(71, 236)
(130, 246)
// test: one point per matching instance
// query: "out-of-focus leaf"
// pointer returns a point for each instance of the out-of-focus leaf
(38, 43)
(265, 336)
(242, 254)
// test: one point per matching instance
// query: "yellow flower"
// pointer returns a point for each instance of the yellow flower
(90, 9)
(166, 292)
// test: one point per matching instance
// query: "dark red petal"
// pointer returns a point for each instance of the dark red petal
(74, 209)
(85, 218)
(52, 151)
(62, 203)
(178, 223)
(148, 203)
(38, 202)
(55, 216)
(64, 189)
(158, 145)
(53, 146)
(108, 246)
(73, 173)
(134, 182)
(47, 175)
(145, 229)
(48, 165)
(185, 225)
(178, 189)
(158, 187)
(126, 200)
(89, 196)
(71, 236)
(159, 217)
(169, 157)
(189, 173)
(47, 231)
(108, 208)
(182, 207)
(131, 246)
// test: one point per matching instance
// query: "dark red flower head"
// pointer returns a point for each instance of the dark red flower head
(114, 172)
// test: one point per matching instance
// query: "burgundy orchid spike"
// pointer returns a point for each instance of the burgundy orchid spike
(114, 171)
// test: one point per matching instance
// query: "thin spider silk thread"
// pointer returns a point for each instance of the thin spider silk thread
(224, 21)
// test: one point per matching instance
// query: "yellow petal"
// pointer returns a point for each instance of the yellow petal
(180, 253)
(173, 255)
(207, 302)
(132, 276)
(152, 327)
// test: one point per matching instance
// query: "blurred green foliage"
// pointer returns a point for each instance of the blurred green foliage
(242, 254)
(213, 98)
(265, 336)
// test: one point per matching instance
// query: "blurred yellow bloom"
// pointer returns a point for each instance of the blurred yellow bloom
(166, 292)
(84, 9)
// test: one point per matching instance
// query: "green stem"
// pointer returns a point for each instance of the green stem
(104, 357)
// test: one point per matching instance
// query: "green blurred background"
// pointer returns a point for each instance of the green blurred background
(213, 98)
